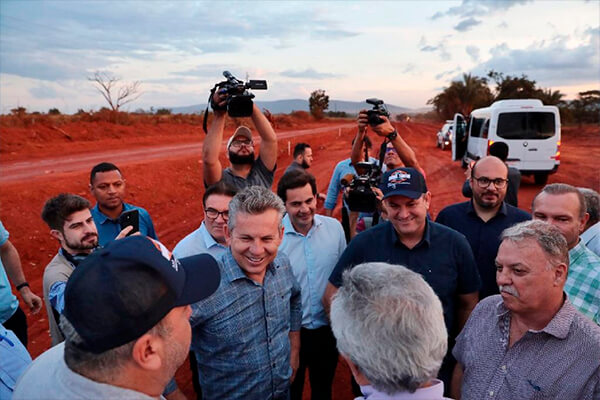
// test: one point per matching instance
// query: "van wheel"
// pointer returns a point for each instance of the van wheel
(540, 178)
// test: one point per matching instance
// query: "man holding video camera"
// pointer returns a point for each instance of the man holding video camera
(244, 170)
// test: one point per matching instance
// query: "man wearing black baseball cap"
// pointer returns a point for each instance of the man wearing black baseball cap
(125, 322)
(441, 255)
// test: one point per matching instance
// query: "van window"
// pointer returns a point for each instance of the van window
(485, 129)
(476, 124)
(526, 125)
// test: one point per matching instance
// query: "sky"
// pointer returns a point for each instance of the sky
(404, 52)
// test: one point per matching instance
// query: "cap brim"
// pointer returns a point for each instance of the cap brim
(202, 278)
(406, 193)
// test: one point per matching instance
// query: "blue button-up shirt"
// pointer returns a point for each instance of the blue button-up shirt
(199, 242)
(8, 301)
(108, 229)
(240, 334)
(443, 257)
(484, 237)
(313, 257)
(15, 360)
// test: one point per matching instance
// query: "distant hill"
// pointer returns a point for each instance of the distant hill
(287, 106)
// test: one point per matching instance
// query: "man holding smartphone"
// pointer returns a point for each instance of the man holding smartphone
(111, 214)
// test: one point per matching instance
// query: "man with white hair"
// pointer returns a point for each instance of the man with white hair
(389, 327)
(529, 341)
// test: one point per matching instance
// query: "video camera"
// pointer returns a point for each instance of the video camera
(360, 197)
(378, 110)
(239, 102)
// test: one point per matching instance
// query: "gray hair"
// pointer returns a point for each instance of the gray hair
(254, 200)
(548, 237)
(103, 367)
(388, 321)
(592, 204)
(563, 188)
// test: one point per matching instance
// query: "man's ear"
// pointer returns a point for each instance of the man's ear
(227, 234)
(56, 234)
(147, 352)
(583, 222)
(427, 199)
(560, 274)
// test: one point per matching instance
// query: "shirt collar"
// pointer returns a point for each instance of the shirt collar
(577, 251)
(558, 326)
(435, 391)
(288, 227)
(426, 239)
(207, 238)
(471, 209)
(233, 271)
(104, 218)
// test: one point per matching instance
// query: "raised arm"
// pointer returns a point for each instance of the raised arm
(211, 166)
(357, 147)
(405, 152)
(268, 139)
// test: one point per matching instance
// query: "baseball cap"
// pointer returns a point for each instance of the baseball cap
(120, 292)
(240, 131)
(403, 181)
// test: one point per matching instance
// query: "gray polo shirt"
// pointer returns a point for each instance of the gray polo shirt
(48, 377)
(259, 176)
(561, 361)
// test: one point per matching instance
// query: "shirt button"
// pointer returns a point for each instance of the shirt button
(491, 393)
(504, 368)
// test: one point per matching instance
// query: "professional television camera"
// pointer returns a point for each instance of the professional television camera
(239, 102)
(377, 111)
(360, 197)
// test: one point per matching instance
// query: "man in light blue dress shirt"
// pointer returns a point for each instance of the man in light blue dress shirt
(209, 237)
(313, 244)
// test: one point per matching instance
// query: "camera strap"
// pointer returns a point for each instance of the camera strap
(382, 150)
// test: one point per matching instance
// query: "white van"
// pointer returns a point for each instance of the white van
(529, 128)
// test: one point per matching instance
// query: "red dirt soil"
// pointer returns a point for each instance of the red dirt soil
(170, 187)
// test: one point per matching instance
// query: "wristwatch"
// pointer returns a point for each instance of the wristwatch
(392, 135)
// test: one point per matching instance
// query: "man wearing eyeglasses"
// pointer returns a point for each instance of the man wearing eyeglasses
(483, 218)
(209, 237)
(244, 170)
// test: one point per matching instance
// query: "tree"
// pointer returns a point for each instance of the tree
(117, 94)
(54, 111)
(586, 108)
(462, 96)
(318, 102)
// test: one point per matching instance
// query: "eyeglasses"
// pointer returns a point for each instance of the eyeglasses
(214, 214)
(237, 144)
(390, 149)
(484, 182)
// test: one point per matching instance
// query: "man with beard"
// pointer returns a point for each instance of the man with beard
(483, 218)
(130, 339)
(564, 206)
(71, 223)
(243, 170)
(303, 158)
(313, 244)
(108, 187)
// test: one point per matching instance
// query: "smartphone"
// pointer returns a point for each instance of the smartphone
(130, 218)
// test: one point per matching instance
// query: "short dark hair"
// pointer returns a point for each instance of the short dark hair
(295, 179)
(59, 208)
(500, 150)
(220, 187)
(103, 167)
(299, 149)
(563, 188)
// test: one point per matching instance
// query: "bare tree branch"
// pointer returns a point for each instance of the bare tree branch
(107, 85)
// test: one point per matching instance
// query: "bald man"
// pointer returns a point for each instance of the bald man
(483, 218)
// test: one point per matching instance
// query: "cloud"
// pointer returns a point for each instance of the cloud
(473, 52)
(307, 73)
(467, 24)
(444, 74)
(502, 25)
(408, 68)
(549, 61)
(439, 48)
(43, 92)
(479, 8)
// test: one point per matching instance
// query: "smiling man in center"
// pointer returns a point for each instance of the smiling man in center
(246, 336)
